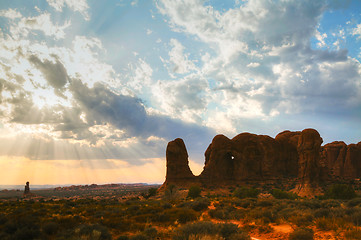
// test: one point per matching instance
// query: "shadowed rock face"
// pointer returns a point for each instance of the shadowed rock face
(341, 160)
(250, 157)
(308, 148)
(178, 171)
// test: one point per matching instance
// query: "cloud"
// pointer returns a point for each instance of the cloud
(21, 26)
(183, 98)
(127, 113)
(80, 6)
(10, 13)
(54, 73)
(357, 31)
(178, 59)
(262, 63)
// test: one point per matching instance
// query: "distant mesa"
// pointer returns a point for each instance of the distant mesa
(290, 158)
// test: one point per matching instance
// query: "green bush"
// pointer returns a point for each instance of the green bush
(194, 192)
(340, 191)
(280, 194)
(244, 192)
(301, 234)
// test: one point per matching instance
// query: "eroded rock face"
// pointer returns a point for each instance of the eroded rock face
(178, 171)
(249, 157)
(308, 148)
(219, 162)
(341, 160)
(290, 156)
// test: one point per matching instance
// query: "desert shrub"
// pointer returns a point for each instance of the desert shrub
(322, 212)
(353, 234)
(340, 191)
(354, 202)
(133, 209)
(302, 220)
(245, 203)
(10, 227)
(286, 213)
(356, 218)
(3, 219)
(326, 224)
(301, 234)
(265, 215)
(265, 228)
(244, 192)
(216, 231)
(200, 205)
(26, 233)
(330, 203)
(265, 203)
(187, 215)
(150, 232)
(116, 223)
(50, 228)
(224, 213)
(123, 237)
(68, 222)
(166, 205)
(309, 203)
(280, 194)
(96, 231)
(152, 192)
(139, 237)
(194, 192)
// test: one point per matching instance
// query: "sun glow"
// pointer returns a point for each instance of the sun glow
(20, 170)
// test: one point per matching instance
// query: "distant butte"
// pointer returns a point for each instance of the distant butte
(291, 158)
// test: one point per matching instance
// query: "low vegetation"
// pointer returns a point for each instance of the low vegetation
(185, 214)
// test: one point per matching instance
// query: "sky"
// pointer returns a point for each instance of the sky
(92, 91)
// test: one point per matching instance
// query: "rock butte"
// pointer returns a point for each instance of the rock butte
(290, 157)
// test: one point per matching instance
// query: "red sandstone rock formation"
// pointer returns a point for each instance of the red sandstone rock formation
(342, 161)
(178, 171)
(296, 156)
(308, 148)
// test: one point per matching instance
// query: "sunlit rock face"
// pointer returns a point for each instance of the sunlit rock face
(290, 156)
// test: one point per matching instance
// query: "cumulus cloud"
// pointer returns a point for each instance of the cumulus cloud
(21, 26)
(10, 13)
(357, 31)
(80, 6)
(264, 61)
(178, 59)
